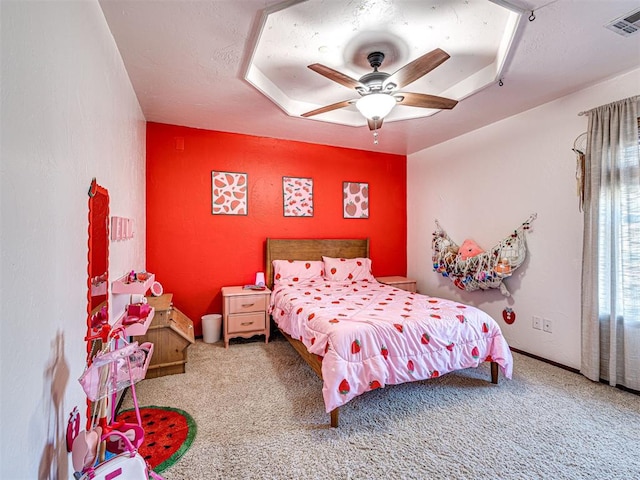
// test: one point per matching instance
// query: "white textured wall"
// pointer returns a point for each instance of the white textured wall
(484, 184)
(69, 113)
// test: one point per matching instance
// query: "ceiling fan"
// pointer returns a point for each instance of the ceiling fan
(380, 92)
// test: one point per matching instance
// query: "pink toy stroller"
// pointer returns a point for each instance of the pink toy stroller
(119, 365)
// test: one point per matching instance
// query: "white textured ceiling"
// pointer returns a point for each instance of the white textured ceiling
(187, 61)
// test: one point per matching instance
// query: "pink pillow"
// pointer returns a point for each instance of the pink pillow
(469, 249)
(343, 269)
(293, 271)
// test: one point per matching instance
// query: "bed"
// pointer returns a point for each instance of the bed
(358, 334)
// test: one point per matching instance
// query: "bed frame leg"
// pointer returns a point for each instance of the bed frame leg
(494, 373)
(334, 418)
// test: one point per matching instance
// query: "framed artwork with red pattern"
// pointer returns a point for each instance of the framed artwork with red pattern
(228, 193)
(355, 200)
(297, 196)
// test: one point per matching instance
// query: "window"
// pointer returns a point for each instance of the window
(619, 238)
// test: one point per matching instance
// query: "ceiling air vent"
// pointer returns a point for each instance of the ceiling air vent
(627, 24)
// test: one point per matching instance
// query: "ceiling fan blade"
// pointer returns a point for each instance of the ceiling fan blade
(374, 124)
(336, 76)
(328, 108)
(424, 100)
(416, 69)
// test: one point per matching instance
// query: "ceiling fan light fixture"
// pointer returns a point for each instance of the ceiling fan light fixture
(376, 105)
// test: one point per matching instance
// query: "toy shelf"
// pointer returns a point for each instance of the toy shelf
(99, 289)
(135, 329)
(121, 286)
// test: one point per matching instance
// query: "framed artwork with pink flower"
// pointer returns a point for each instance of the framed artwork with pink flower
(297, 196)
(228, 193)
(355, 199)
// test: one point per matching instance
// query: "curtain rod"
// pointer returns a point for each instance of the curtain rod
(587, 112)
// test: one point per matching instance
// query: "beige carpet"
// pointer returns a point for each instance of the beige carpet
(260, 415)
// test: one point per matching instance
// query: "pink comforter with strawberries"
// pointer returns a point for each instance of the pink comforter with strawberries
(371, 335)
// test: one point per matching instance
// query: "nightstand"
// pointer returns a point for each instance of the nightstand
(399, 282)
(244, 313)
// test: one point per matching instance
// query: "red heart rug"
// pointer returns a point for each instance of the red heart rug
(168, 434)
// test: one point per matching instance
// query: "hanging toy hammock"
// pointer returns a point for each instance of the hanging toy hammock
(485, 269)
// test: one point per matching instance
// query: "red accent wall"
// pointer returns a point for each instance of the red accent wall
(194, 253)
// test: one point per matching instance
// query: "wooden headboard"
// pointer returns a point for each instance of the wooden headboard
(312, 249)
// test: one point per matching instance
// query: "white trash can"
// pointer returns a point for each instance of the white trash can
(211, 327)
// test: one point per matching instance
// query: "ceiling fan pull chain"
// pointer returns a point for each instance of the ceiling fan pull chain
(375, 131)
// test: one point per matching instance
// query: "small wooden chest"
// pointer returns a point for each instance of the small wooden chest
(171, 333)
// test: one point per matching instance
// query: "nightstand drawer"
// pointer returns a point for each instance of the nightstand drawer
(246, 322)
(247, 303)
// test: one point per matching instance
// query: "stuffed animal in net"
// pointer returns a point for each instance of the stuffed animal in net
(471, 268)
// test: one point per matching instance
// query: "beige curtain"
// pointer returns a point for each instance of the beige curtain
(611, 246)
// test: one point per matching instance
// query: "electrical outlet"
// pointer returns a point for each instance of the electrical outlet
(537, 322)
(546, 325)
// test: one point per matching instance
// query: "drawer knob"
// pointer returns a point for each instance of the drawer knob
(247, 305)
(244, 324)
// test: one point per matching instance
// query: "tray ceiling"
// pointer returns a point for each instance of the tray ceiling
(187, 61)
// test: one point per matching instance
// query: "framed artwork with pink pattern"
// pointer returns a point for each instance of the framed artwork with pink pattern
(356, 199)
(228, 193)
(297, 195)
